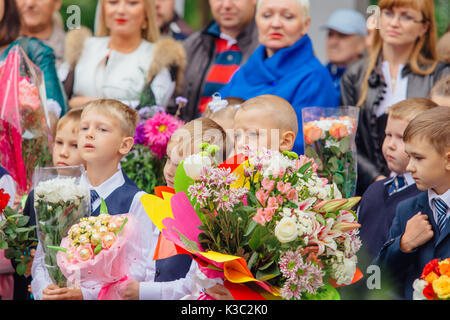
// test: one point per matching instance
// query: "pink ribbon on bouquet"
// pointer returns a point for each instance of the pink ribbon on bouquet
(104, 291)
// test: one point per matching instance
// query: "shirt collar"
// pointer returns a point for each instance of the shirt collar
(409, 181)
(107, 187)
(214, 29)
(444, 197)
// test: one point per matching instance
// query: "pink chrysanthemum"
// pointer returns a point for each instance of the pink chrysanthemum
(159, 130)
(300, 276)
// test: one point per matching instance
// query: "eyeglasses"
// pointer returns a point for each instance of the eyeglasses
(404, 18)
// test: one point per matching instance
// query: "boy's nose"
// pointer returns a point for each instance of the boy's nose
(410, 167)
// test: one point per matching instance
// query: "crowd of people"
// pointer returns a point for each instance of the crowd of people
(249, 72)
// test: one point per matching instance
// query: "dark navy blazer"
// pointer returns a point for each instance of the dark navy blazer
(411, 264)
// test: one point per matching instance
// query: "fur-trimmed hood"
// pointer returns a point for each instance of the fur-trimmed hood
(167, 53)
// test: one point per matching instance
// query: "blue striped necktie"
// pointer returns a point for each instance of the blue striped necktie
(398, 183)
(441, 210)
(94, 196)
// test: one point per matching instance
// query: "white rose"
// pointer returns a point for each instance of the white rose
(194, 164)
(418, 286)
(286, 230)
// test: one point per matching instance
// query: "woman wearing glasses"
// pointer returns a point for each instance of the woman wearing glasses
(402, 63)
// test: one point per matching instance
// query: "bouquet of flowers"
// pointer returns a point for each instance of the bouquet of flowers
(25, 138)
(329, 137)
(99, 249)
(145, 163)
(267, 218)
(15, 237)
(60, 201)
(434, 283)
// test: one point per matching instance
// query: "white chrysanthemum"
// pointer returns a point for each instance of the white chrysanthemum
(305, 222)
(61, 189)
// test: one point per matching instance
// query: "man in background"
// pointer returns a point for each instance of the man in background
(346, 41)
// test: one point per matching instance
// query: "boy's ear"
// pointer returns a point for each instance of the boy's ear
(127, 144)
(287, 141)
(447, 159)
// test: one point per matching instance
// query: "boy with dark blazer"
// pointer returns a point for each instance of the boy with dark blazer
(420, 231)
(379, 202)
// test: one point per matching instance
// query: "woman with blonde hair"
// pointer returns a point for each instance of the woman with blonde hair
(127, 60)
(402, 63)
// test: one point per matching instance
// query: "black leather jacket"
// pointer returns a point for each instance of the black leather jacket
(370, 134)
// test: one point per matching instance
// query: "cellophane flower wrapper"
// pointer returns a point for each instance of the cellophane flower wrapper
(25, 137)
(61, 199)
(111, 266)
(329, 138)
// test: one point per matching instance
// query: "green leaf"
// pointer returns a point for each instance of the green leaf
(21, 269)
(344, 145)
(269, 273)
(23, 221)
(3, 244)
(122, 226)
(251, 227)
(97, 249)
(252, 260)
(333, 164)
(338, 179)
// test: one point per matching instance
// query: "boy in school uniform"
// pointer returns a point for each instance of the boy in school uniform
(64, 153)
(106, 134)
(420, 231)
(378, 204)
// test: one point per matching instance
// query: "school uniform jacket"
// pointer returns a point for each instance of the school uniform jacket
(411, 264)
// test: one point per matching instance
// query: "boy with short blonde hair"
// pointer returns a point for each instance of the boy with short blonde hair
(440, 93)
(379, 203)
(420, 230)
(107, 129)
(65, 153)
(265, 121)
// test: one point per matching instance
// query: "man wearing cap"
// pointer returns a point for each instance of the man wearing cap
(345, 42)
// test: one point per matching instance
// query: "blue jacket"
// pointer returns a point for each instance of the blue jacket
(409, 266)
(293, 73)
